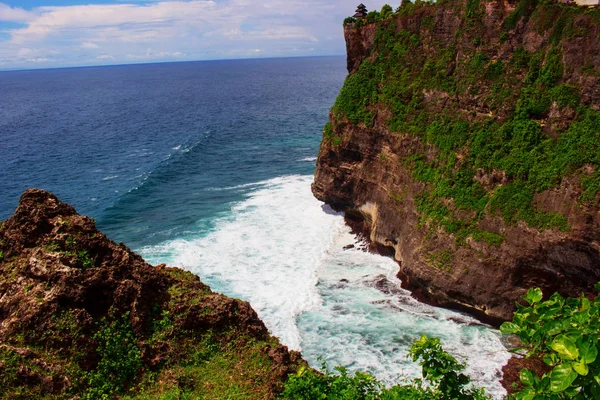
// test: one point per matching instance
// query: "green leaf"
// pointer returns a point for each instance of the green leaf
(509, 327)
(562, 377)
(534, 295)
(595, 390)
(580, 367)
(585, 304)
(565, 347)
(527, 377)
(597, 287)
(549, 359)
(527, 394)
(588, 350)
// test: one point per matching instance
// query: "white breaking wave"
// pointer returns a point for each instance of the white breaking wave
(236, 187)
(266, 252)
(308, 159)
(368, 322)
(281, 250)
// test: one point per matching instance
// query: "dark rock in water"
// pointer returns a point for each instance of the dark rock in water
(344, 280)
(348, 247)
(465, 321)
(384, 285)
(62, 282)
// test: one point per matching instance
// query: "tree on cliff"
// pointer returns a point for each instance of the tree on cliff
(387, 11)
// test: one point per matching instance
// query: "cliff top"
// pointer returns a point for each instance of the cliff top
(82, 315)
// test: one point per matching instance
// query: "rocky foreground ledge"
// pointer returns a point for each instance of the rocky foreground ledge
(82, 316)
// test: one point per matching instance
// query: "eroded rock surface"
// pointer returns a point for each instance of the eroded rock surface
(62, 281)
(366, 165)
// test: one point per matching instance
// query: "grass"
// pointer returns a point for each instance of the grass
(441, 260)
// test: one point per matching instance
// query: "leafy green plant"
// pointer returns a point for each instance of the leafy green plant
(373, 16)
(328, 131)
(84, 258)
(441, 372)
(349, 20)
(564, 334)
(386, 11)
(120, 359)
(70, 241)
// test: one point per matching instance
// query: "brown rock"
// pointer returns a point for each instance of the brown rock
(366, 176)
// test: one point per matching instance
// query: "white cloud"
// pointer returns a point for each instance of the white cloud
(151, 54)
(176, 29)
(39, 60)
(105, 57)
(13, 14)
(89, 45)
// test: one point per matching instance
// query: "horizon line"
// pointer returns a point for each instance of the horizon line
(163, 62)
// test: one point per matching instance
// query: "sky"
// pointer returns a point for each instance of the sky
(66, 33)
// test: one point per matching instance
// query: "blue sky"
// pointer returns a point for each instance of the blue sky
(61, 33)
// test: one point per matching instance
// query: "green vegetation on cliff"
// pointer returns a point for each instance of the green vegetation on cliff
(494, 131)
(84, 317)
(442, 380)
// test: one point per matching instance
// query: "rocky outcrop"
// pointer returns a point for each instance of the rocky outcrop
(63, 283)
(453, 63)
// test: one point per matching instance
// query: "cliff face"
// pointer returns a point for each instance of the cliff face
(467, 140)
(83, 316)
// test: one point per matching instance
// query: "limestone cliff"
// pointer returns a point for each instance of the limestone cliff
(84, 317)
(466, 139)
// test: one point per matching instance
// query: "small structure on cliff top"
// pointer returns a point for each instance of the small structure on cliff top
(361, 11)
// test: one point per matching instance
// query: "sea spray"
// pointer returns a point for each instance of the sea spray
(282, 250)
(264, 251)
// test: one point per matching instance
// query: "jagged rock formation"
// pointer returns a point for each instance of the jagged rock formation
(466, 139)
(83, 316)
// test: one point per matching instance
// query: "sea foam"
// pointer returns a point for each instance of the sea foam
(282, 250)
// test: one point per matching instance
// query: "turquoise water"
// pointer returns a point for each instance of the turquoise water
(208, 166)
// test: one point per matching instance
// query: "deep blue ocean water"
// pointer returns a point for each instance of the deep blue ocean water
(141, 148)
(207, 166)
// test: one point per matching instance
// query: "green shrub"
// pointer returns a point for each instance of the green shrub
(524, 9)
(520, 58)
(373, 16)
(565, 95)
(553, 68)
(386, 11)
(84, 258)
(349, 20)
(590, 185)
(328, 131)
(473, 9)
(441, 372)
(564, 334)
(120, 359)
(494, 70)
(478, 61)
(358, 93)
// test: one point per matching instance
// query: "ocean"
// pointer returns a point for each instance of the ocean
(207, 166)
